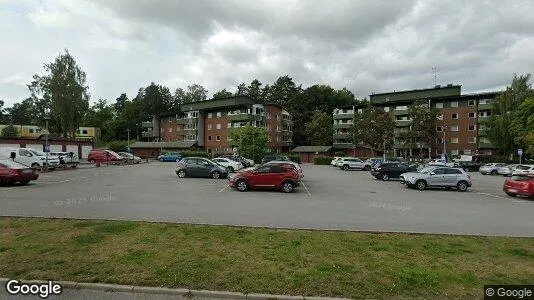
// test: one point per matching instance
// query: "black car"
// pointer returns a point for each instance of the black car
(385, 171)
(269, 158)
(238, 158)
(200, 167)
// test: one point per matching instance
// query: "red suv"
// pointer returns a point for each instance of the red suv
(102, 156)
(272, 176)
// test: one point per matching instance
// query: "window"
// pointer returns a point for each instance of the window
(440, 117)
(277, 117)
(219, 114)
(471, 103)
(438, 128)
(209, 126)
(481, 127)
(278, 138)
(453, 171)
(264, 169)
(454, 104)
(454, 140)
(386, 109)
(268, 127)
(454, 116)
(218, 126)
(209, 137)
(484, 114)
(162, 130)
(218, 138)
(31, 130)
(485, 101)
(84, 131)
(277, 128)
(472, 140)
(177, 128)
(439, 141)
(454, 152)
(467, 152)
(401, 107)
(439, 105)
(454, 128)
(439, 171)
(472, 127)
(471, 115)
(170, 129)
(210, 115)
(269, 116)
(484, 140)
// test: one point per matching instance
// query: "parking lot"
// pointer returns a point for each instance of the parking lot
(329, 198)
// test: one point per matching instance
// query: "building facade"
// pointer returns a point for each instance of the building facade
(209, 123)
(460, 128)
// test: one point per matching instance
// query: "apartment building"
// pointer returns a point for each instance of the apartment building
(208, 124)
(460, 127)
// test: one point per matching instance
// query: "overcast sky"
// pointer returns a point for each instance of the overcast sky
(366, 46)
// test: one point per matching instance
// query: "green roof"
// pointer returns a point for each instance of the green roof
(312, 149)
(163, 145)
(410, 95)
(238, 101)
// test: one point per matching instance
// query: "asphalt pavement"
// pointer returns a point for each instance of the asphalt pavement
(328, 199)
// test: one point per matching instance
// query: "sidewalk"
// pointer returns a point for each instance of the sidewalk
(73, 290)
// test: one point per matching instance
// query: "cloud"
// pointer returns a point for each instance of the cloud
(366, 46)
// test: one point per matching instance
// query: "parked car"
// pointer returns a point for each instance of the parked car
(245, 161)
(296, 165)
(11, 172)
(335, 160)
(519, 184)
(200, 167)
(524, 170)
(507, 170)
(170, 156)
(370, 162)
(67, 158)
(104, 156)
(491, 169)
(269, 158)
(280, 175)
(229, 164)
(29, 157)
(130, 157)
(437, 177)
(348, 163)
(387, 170)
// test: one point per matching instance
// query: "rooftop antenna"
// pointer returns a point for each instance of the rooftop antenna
(435, 71)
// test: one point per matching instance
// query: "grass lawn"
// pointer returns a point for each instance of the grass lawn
(318, 263)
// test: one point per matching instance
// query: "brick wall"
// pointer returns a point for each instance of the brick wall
(274, 110)
(214, 145)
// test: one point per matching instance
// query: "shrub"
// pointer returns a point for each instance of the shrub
(118, 146)
(495, 159)
(322, 160)
(194, 154)
(293, 157)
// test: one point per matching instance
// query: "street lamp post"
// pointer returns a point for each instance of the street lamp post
(445, 142)
(128, 130)
(47, 147)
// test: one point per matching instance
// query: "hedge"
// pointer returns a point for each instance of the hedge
(118, 146)
(194, 154)
(322, 160)
(496, 159)
(293, 157)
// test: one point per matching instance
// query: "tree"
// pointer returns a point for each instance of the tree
(500, 123)
(157, 98)
(319, 130)
(101, 115)
(3, 113)
(120, 102)
(423, 128)
(241, 90)
(373, 127)
(254, 91)
(222, 94)
(251, 142)
(64, 91)
(196, 93)
(10, 131)
(178, 98)
(24, 113)
(522, 126)
(283, 91)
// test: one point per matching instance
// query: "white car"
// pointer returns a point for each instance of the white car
(29, 157)
(507, 170)
(229, 164)
(491, 169)
(335, 160)
(347, 163)
(524, 170)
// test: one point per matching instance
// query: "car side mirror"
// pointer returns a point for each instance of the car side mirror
(29, 155)
(12, 155)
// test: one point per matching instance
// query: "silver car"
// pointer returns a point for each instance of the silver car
(507, 170)
(492, 169)
(437, 177)
(348, 163)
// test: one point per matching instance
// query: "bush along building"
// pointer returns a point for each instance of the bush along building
(207, 124)
(460, 126)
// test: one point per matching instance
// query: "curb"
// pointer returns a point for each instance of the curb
(168, 291)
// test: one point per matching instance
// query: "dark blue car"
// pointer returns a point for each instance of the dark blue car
(170, 156)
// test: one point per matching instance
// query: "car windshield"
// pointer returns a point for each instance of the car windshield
(37, 152)
(12, 164)
(426, 170)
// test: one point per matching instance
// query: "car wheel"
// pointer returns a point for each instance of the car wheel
(35, 166)
(241, 185)
(231, 169)
(181, 173)
(493, 172)
(346, 167)
(92, 161)
(367, 168)
(24, 182)
(420, 185)
(161, 159)
(511, 194)
(287, 187)
(462, 186)
(385, 177)
(216, 175)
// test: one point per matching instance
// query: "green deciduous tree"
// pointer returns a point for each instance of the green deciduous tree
(422, 131)
(64, 91)
(522, 126)
(196, 93)
(101, 115)
(9, 131)
(120, 102)
(373, 127)
(241, 90)
(251, 142)
(24, 113)
(319, 130)
(4, 117)
(222, 94)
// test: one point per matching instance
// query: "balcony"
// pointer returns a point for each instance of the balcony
(344, 116)
(190, 131)
(340, 145)
(401, 112)
(482, 145)
(182, 121)
(149, 134)
(285, 143)
(147, 125)
(338, 136)
(240, 117)
(403, 123)
(342, 125)
(484, 106)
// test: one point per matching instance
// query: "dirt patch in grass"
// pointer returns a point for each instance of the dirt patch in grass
(318, 263)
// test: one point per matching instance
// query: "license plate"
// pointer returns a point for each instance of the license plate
(27, 171)
(512, 190)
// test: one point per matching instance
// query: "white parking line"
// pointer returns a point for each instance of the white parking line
(224, 188)
(495, 196)
(308, 191)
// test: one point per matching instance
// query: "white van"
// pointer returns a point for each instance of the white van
(29, 157)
